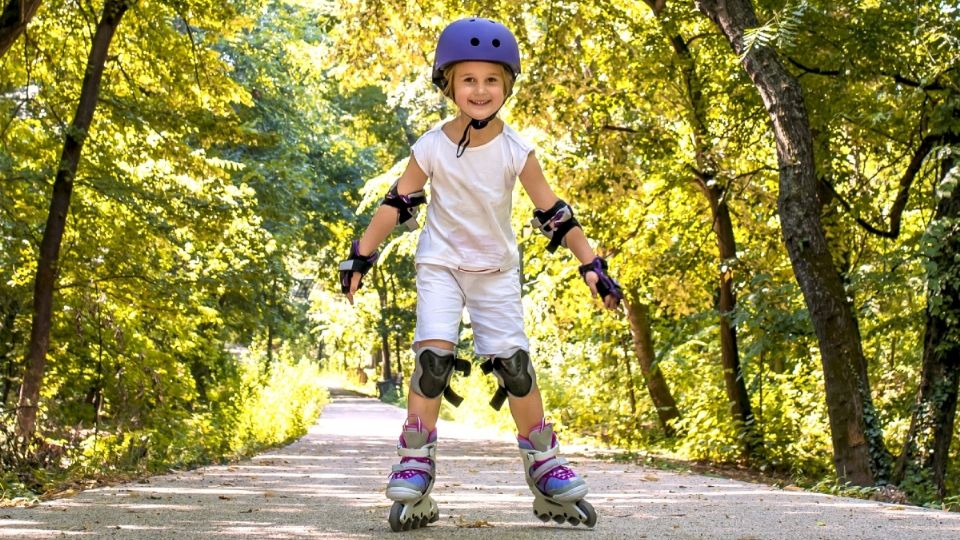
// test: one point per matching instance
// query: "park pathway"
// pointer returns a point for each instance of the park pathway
(330, 484)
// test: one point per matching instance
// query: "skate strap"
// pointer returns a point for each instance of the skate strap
(413, 466)
(463, 366)
(428, 451)
(501, 394)
(549, 460)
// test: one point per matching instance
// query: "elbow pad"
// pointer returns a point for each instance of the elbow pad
(406, 206)
(555, 223)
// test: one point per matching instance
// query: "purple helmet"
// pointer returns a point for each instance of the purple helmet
(475, 39)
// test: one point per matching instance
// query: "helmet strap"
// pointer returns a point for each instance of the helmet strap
(475, 124)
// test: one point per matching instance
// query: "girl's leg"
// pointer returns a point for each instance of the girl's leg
(527, 411)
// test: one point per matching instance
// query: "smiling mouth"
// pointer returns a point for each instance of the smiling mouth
(480, 103)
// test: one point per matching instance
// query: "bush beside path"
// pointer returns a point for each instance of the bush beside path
(330, 484)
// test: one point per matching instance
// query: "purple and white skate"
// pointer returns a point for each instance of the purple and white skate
(558, 491)
(411, 480)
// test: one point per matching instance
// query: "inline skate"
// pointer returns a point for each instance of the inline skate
(412, 479)
(558, 491)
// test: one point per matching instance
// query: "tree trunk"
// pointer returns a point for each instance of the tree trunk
(922, 467)
(8, 339)
(13, 21)
(383, 328)
(638, 314)
(385, 352)
(733, 378)
(734, 381)
(860, 456)
(631, 387)
(45, 282)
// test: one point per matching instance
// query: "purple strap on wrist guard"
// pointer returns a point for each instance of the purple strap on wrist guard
(606, 285)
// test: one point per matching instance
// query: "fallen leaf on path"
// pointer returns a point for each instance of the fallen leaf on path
(472, 524)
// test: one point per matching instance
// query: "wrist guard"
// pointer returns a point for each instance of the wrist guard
(606, 285)
(555, 223)
(355, 263)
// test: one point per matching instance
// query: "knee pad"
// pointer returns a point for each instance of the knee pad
(514, 373)
(434, 368)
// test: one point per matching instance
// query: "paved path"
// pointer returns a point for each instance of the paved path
(330, 484)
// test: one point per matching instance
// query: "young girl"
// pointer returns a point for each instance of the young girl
(467, 257)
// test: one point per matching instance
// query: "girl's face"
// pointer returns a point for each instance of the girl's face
(478, 88)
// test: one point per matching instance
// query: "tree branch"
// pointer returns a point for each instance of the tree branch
(609, 127)
(656, 5)
(813, 70)
(915, 84)
(936, 85)
(88, 282)
(903, 193)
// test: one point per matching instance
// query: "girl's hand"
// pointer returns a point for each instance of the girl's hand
(600, 283)
(354, 285)
(610, 301)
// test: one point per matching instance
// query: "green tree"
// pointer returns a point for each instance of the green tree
(56, 221)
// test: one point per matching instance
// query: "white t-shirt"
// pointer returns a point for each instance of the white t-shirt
(468, 217)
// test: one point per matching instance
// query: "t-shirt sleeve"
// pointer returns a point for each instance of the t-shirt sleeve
(423, 151)
(521, 150)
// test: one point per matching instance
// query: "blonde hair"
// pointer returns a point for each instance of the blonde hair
(449, 73)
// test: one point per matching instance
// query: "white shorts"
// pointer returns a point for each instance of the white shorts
(492, 300)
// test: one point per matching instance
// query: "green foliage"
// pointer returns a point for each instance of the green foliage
(251, 411)
(203, 195)
(832, 486)
(780, 31)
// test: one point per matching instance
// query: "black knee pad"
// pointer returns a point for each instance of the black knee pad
(434, 368)
(514, 373)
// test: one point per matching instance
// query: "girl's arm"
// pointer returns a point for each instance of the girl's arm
(543, 197)
(385, 219)
(539, 191)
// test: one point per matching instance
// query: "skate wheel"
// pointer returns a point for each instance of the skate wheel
(558, 519)
(542, 517)
(588, 510)
(573, 521)
(395, 511)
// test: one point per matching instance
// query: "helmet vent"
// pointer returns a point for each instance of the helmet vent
(474, 41)
(496, 43)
